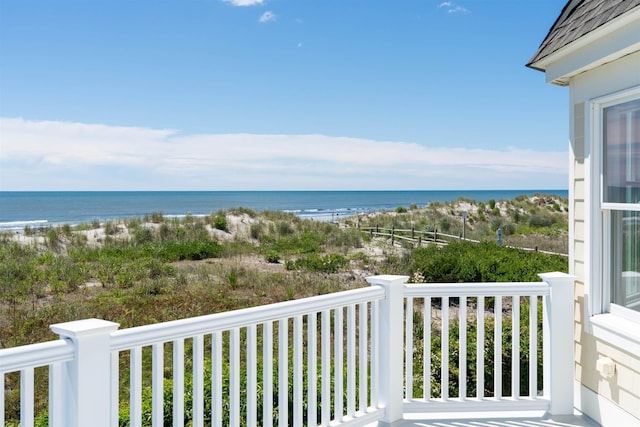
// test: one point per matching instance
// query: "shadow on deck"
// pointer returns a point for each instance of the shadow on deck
(497, 419)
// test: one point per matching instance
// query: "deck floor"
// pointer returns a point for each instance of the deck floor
(496, 419)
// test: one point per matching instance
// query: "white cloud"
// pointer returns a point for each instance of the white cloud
(451, 7)
(268, 16)
(243, 2)
(49, 155)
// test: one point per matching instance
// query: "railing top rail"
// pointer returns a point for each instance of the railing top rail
(476, 289)
(35, 355)
(167, 331)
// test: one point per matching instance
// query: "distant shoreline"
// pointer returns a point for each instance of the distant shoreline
(19, 209)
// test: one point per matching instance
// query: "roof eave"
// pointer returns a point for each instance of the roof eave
(621, 21)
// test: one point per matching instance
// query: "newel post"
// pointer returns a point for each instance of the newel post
(558, 356)
(391, 346)
(86, 379)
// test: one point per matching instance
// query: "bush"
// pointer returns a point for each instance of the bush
(187, 250)
(143, 235)
(444, 224)
(330, 263)
(540, 220)
(483, 262)
(272, 257)
(220, 223)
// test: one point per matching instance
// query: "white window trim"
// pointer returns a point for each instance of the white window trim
(608, 322)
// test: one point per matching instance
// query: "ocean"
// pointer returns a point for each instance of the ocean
(35, 209)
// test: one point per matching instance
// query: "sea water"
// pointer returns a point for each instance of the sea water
(36, 209)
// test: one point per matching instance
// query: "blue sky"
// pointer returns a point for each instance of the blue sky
(278, 95)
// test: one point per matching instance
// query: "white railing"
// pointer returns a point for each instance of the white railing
(338, 359)
(485, 318)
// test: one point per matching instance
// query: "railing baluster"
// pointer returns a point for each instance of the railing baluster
(462, 334)
(480, 348)
(375, 352)
(363, 344)
(135, 394)
(267, 374)
(283, 372)
(533, 346)
(338, 355)
(157, 384)
(115, 388)
(408, 349)
(2, 374)
(497, 348)
(252, 375)
(515, 347)
(427, 348)
(216, 379)
(56, 405)
(198, 381)
(297, 371)
(351, 360)
(234, 380)
(444, 339)
(178, 383)
(326, 368)
(312, 369)
(26, 397)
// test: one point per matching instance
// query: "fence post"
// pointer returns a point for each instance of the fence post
(391, 346)
(86, 389)
(558, 344)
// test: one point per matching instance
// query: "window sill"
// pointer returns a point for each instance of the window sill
(622, 333)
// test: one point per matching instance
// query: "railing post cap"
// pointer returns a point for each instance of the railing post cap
(84, 328)
(387, 279)
(556, 275)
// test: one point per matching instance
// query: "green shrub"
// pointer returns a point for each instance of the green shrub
(143, 235)
(401, 209)
(272, 257)
(330, 263)
(255, 230)
(444, 224)
(187, 250)
(541, 220)
(220, 223)
(284, 228)
(482, 262)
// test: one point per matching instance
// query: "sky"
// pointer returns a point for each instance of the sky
(278, 95)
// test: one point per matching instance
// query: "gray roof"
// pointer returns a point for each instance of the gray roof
(580, 17)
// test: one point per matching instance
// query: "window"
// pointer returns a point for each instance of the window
(613, 219)
(620, 204)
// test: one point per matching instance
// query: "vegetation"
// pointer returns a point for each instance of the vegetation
(538, 222)
(156, 269)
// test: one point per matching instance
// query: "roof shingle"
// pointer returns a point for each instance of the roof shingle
(578, 18)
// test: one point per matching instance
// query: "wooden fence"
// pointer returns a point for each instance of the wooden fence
(417, 238)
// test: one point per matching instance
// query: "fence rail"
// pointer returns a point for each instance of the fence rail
(350, 358)
(417, 238)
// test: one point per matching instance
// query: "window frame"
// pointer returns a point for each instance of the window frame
(610, 322)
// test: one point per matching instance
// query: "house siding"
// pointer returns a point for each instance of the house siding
(624, 388)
